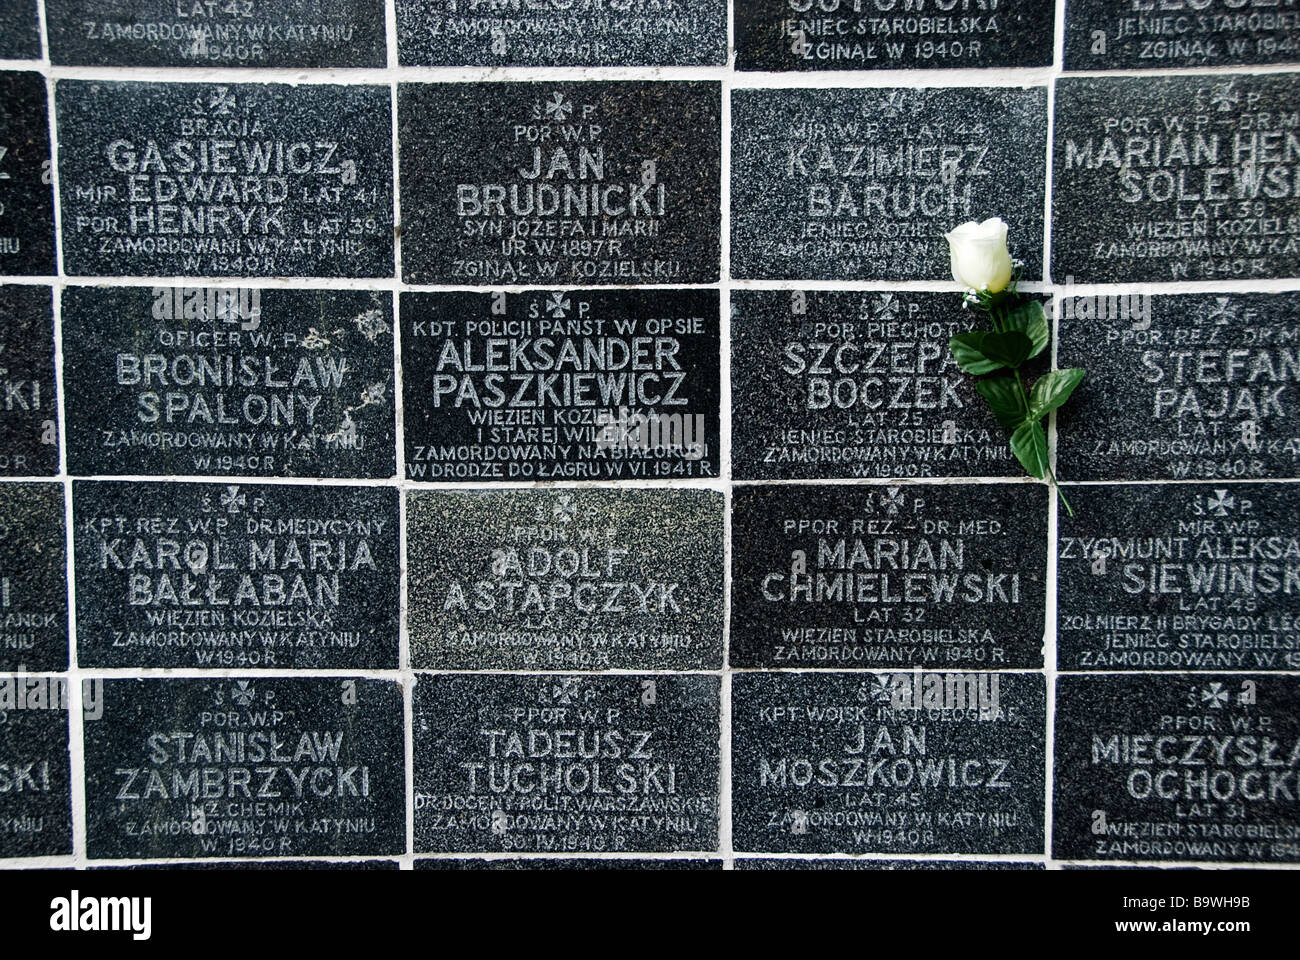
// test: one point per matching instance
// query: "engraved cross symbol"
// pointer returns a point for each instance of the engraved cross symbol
(565, 510)
(893, 500)
(558, 107)
(232, 499)
(221, 102)
(882, 690)
(1222, 503)
(565, 691)
(1215, 695)
(1222, 312)
(886, 307)
(1224, 98)
(242, 693)
(559, 305)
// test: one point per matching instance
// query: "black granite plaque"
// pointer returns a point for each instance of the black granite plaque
(33, 577)
(260, 767)
(566, 764)
(871, 34)
(26, 196)
(35, 804)
(29, 415)
(560, 183)
(216, 180)
(556, 385)
(862, 863)
(942, 577)
(565, 579)
(245, 382)
(217, 33)
(1173, 34)
(1188, 387)
(565, 863)
(20, 37)
(235, 575)
(278, 865)
(828, 384)
(888, 763)
(1186, 577)
(1193, 768)
(1175, 178)
(853, 184)
(567, 33)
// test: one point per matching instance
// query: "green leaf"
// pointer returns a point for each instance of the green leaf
(1053, 389)
(1006, 399)
(1009, 349)
(1029, 444)
(966, 351)
(1030, 319)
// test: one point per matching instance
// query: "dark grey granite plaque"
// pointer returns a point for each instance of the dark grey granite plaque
(572, 184)
(260, 767)
(286, 865)
(888, 763)
(20, 37)
(1175, 178)
(887, 35)
(566, 764)
(1191, 768)
(29, 415)
(35, 804)
(1190, 387)
(565, 579)
(859, 863)
(26, 194)
(1173, 34)
(33, 577)
(225, 180)
(854, 184)
(217, 33)
(235, 575)
(827, 384)
(244, 382)
(562, 33)
(564, 863)
(1186, 577)
(942, 577)
(561, 385)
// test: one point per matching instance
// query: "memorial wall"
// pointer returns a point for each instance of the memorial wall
(505, 434)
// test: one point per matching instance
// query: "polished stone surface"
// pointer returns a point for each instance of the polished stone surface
(33, 577)
(236, 576)
(26, 196)
(321, 759)
(561, 385)
(35, 804)
(196, 381)
(29, 415)
(564, 580)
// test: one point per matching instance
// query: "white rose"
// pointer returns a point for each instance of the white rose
(980, 259)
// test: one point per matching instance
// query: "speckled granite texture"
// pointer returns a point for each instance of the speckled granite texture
(505, 435)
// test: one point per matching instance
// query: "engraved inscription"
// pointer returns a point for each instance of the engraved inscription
(265, 767)
(236, 381)
(29, 431)
(1208, 385)
(1198, 768)
(566, 764)
(888, 763)
(565, 580)
(567, 183)
(866, 576)
(26, 175)
(1194, 178)
(178, 179)
(862, 184)
(1190, 577)
(236, 575)
(855, 385)
(33, 578)
(35, 804)
(579, 385)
